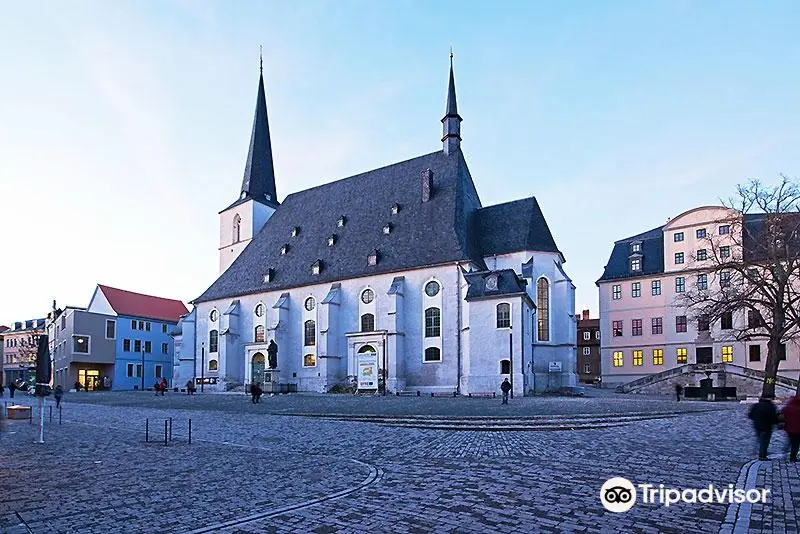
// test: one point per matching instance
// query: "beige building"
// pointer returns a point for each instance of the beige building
(19, 349)
(647, 335)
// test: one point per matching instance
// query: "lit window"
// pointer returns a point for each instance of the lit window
(701, 233)
(258, 336)
(677, 236)
(433, 322)
(655, 287)
(702, 254)
(310, 334)
(681, 354)
(543, 304)
(367, 322)
(727, 354)
(638, 357)
(678, 257)
(616, 292)
(309, 360)
(658, 356)
(618, 359)
(636, 289)
(213, 365)
(636, 264)
(433, 354)
(636, 327)
(680, 284)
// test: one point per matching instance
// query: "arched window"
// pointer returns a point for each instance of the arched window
(504, 315)
(543, 311)
(212, 365)
(367, 322)
(310, 334)
(433, 322)
(237, 228)
(309, 360)
(505, 367)
(366, 349)
(433, 354)
(259, 335)
(213, 341)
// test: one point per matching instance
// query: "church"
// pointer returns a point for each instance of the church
(394, 280)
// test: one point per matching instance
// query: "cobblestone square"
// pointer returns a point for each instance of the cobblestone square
(382, 464)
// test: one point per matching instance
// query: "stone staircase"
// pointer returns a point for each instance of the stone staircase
(701, 368)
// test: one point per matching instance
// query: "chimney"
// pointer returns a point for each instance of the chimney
(585, 315)
(427, 184)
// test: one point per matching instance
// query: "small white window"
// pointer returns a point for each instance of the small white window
(587, 351)
(259, 310)
(309, 304)
(367, 296)
(587, 336)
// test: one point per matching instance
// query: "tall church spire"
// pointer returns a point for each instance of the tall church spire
(451, 122)
(259, 174)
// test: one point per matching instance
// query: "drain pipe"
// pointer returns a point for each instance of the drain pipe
(458, 330)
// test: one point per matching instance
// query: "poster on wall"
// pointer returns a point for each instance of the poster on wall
(368, 371)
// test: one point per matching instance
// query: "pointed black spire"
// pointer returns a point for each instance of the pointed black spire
(451, 122)
(259, 175)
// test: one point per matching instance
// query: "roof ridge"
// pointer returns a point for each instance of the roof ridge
(103, 286)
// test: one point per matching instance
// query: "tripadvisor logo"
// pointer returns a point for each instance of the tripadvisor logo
(619, 495)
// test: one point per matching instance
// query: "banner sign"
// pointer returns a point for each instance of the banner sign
(368, 371)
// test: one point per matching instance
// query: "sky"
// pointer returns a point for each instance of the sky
(124, 126)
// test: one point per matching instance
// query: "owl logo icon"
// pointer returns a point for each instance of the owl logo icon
(618, 494)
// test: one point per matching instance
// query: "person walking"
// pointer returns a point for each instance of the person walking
(12, 387)
(505, 387)
(2, 390)
(189, 387)
(764, 417)
(164, 386)
(678, 391)
(57, 394)
(791, 425)
(253, 392)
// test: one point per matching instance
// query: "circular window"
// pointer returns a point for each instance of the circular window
(213, 316)
(310, 303)
(367, 296)
(432, 288)
(260, 310)
(491, 282)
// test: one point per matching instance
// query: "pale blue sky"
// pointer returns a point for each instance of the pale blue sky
(124, 125)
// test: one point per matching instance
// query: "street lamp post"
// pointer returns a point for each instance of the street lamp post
(202, 365)
(141, 347)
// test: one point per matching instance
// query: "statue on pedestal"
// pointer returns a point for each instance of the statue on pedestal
(272, 354)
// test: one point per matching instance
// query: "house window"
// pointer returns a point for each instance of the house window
(587, 351)
(636, 327)
(782, 352)
(702, 323)
(543, 304)
(111, 329)
(587, 335)
(658, 356)
(618, 358)
(680, 284)
(505, 367)
(727, 354)
(139, 370)
(165, 348)
(310, 333)
(148, 347)
(367, 296)
(503, 315)
(433, 354)
(163, 329)
(309, 360)
(682, 355)
(701, 233)
(724, 229)
(130, 370)
(677, 236)
(147, 326)
(725, 252)
(678, 257)
(655, 287)
(636, 264)
(616, 291)
(657, 325)
(126, 345)
(159, 370)
(258, 335)
(680, 323)
(367, 322)
(702, 281)
(433, 322)
(755, 353)
(141, 325)
(80, 344)
(702, 254)
(636, 289)
(133, 325)
(213, 365)
(726, 320)
(587, 368)
(754, 319)
(616, 327)
(63, 322)
(137, 346)
(724, 278)
(213, 341)
(638, 358)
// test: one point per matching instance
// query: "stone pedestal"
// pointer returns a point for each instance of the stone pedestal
(271, 381)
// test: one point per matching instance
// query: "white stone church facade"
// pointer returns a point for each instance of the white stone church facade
(402, 262)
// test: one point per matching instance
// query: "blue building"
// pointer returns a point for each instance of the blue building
(141, 329)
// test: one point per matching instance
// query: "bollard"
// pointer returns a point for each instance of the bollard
(59, 415)
(146, 430)
(30, 416)
(165, 432)
(190, 431)
(51, 413)
(170, 428)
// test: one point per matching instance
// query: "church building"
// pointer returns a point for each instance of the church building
(400, 265)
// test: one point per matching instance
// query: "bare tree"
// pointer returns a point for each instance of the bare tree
(748, 278)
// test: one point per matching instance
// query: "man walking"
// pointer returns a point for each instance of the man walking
(505, 387)
(678, 391)
(57, 394)
(791, 424)
(12, 387)
(764, 417)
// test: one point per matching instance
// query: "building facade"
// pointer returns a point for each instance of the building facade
(644, 328)
(588, 349)
(402, 264)
(82, 347)
(20, 344)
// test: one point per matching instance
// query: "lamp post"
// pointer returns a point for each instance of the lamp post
(511, 358)
(141, 347)
(202, 365)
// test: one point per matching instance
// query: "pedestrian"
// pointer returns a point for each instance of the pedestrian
(791, 424)
(164, 386)
(505, 387)
(12, 387)
(57, 394)
(2, 390)
(189, 387)
(106, 382)
(253, 393)
(678, 391)
(156, 387)
(259, 392)
(764, 417)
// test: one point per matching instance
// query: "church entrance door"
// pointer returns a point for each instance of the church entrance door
(258, 365)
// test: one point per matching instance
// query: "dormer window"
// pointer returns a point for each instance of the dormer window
(332, 240)
(372, 259)
(395, 209)
(268, 276)
(284, 250)
(316, 267)
(387, 228)
(295, 231)
(636, 247)
(636, 265)
(341, 221)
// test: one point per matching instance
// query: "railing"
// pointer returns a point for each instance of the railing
(729, 368)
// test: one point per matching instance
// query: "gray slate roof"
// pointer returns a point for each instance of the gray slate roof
(508, 283)
(514, 226)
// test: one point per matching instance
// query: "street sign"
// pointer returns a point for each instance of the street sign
(555, 367)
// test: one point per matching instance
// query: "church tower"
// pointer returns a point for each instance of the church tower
(451, 122)
(258, 200)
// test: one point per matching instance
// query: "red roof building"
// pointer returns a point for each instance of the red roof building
(121, 302)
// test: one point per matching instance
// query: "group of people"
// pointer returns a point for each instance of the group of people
(766, 417)
(160, 386)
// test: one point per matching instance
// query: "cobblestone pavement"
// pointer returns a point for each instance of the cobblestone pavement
(249, 470)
